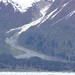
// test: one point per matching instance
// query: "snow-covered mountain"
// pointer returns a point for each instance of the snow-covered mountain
(44, 27)
(54, 35)
(40, 31)
(22, 5)
(11, 19)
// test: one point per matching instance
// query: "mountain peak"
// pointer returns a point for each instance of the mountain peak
(20, 5)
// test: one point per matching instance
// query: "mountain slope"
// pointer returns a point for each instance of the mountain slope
(12, 40)
(39, 38)
(47, 29)
(9, 18)
(20, 5)
(55, 34)
(13, 19)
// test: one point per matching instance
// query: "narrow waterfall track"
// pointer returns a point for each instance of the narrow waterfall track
(21, 52)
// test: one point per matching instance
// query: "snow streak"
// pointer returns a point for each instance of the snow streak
(27, 26)
(60, 9)
(70, 14)
(65, 18)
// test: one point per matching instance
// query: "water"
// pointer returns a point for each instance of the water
(36, 73)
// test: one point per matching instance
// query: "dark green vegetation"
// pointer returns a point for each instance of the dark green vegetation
(57, 40)
(9, 63)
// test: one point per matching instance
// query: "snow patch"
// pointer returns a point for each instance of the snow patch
(27, 26)
(70, 14)
(66, 17)
(53, 0)
(44, 10)
(57, 21)
(51, 14)
(21, 5)
(46, 17)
